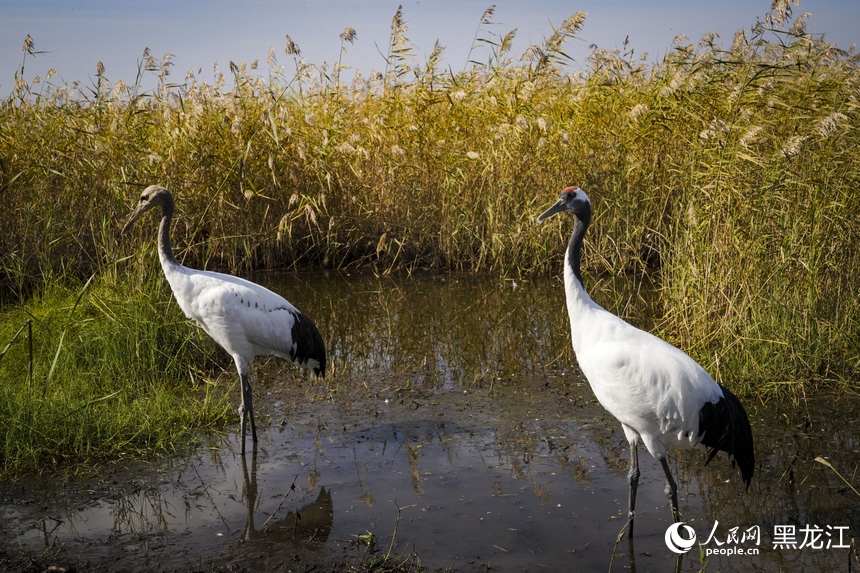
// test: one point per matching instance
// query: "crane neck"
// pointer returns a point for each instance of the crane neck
(579, 303)
(573, 256)
(165, 251)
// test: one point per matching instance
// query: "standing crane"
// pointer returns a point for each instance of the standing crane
(661, 396)
(247, 320)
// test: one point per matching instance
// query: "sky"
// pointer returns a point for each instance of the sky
(75, 35)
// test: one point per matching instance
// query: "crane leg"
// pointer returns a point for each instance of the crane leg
(671, 490)
(633, 479)
(251, 414)
(242, 421)
(246, 410)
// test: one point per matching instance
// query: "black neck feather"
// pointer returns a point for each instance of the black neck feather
(574, 247)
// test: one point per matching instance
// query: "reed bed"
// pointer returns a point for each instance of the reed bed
(728, 175)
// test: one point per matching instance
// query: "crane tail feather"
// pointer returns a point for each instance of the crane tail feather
(309, 347)
(724, 426)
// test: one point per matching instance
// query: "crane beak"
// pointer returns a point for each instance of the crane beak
(557, 208)
(138, 211)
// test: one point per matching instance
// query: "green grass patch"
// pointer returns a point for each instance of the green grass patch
(101, 372)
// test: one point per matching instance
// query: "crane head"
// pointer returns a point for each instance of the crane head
(152, 196)
(574, 200)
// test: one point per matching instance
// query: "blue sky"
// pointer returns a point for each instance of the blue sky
(76, 35)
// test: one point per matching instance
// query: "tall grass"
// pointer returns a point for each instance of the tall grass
(729, 174)
(102, 375)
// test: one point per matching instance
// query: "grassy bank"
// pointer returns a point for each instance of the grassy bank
(92, 373)
(729, 174)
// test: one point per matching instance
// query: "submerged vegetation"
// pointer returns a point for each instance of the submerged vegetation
(728, 175)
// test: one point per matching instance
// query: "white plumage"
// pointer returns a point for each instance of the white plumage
(246, 319)
(661, 396)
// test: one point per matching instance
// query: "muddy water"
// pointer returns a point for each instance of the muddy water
(453, 431)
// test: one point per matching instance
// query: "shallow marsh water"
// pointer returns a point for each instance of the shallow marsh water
(453, 427)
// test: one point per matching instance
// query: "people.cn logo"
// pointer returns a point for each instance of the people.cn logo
(678, 543)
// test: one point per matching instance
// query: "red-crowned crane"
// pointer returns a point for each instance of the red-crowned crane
(247, 320)
(661, 396)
